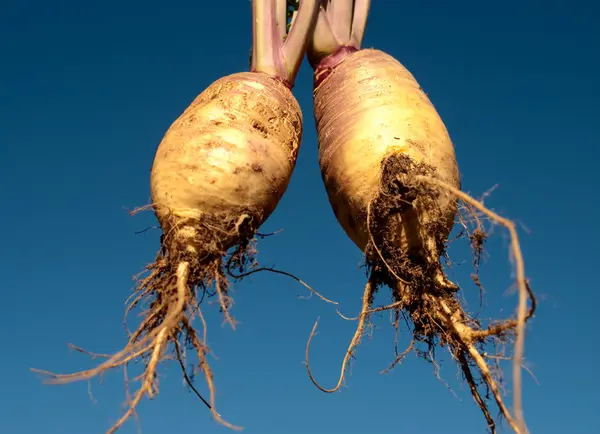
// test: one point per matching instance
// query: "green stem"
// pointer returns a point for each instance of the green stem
(296, 42)
(339, 13)
(341, 23)
(270, 54)
(266, 43)
(359, 21)
(281, 13)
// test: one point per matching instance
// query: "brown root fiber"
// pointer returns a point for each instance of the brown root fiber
(424, 295)
(171, 292)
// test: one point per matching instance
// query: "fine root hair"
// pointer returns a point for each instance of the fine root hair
(169, 293)
(425, 298)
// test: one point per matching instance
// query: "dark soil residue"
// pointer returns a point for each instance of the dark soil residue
(169, 294)
(389, 257)
(409, 222)
(408, 236)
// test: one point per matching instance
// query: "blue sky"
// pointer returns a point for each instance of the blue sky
(87, 89)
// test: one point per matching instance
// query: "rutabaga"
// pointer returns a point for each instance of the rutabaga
(218, 174)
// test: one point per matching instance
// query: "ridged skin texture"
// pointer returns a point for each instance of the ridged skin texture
(231, 152)
(368, 107)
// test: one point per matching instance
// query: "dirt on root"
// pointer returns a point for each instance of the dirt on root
(413, 272)
(408, 237)
(419, 286)
(170, 292)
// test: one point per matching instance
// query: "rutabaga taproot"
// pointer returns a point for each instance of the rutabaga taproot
(371, 111)
(218, 174)
(225, 163)
(390, 171)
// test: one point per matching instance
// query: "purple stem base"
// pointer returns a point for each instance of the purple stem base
(329, 63)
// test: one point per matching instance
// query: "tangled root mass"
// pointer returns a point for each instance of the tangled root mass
(422, 293)
(170, 292)
(414, 273)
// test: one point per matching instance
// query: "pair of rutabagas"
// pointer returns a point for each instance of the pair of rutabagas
(387, 162)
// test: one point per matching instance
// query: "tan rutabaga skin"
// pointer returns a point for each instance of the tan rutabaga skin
(218, 174)
(390, 171)
(230, 154)
(368, 107)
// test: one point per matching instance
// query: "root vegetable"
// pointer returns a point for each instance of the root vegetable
(390, 171)
(218, 174)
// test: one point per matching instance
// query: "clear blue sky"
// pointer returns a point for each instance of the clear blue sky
(87, 89)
